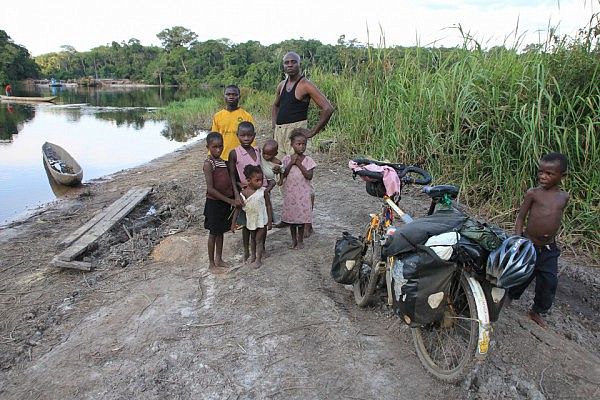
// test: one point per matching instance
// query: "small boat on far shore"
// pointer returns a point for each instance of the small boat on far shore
(61, 165)
(28, 99)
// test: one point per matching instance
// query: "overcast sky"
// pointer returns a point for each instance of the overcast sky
(42, 26)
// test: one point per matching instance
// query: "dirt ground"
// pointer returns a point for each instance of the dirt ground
(150, 322)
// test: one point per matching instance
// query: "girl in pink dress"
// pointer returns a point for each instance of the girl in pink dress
(297, 174)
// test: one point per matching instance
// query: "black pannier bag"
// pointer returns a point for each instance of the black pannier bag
(406, 237)
(472, 256)
(346, 260)
(421, 281)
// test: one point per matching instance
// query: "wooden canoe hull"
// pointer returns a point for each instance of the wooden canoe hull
(66, 179)
(28, 99)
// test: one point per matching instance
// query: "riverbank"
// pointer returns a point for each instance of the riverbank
(150, 322)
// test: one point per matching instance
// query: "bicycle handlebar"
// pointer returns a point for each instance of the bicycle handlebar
(401, 169)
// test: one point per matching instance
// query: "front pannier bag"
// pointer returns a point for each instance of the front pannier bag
(346, 261)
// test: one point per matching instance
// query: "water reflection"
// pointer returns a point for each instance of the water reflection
(58, 189)
(12, 118)
(105, 130)
(124, 106)
(178, 133)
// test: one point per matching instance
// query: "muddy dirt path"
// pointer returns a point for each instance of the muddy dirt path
(150, 322)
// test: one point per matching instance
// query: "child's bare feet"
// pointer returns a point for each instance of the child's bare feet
(300, 245)
(308, 230)
(537, 318)
(214, 269)
(222, 264)
(256, 265)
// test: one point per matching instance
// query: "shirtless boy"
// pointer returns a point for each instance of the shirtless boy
(543, 208)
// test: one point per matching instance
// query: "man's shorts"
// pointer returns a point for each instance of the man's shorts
(282, 136)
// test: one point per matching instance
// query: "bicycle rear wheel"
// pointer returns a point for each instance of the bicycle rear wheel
(368, 274)
(446, 348)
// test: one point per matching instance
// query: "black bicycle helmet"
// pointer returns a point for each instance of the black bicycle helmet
(512, 263)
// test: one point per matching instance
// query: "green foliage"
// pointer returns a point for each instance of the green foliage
(184, 61)
(480, 119)
(15, 61)
(176, 37)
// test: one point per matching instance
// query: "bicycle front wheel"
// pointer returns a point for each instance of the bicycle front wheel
(446, 348)
(368, 274)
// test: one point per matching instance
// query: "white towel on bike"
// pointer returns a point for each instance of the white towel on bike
(443, 244)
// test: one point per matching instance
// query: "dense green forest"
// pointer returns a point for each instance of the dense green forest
(15, 61)
(183, 60)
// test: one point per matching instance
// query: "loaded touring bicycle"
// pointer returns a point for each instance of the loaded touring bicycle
(444, 274)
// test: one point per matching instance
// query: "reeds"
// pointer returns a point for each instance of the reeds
(478, 119)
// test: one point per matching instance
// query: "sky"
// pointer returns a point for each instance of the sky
(42, 26)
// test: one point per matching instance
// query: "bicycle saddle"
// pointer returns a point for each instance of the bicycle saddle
(438, 191)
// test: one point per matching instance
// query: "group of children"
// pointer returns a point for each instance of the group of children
(238, 192)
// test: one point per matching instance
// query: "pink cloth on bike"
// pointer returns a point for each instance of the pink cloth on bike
(390, 176)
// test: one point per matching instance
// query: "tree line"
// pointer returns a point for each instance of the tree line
(184, 61)
(15, 61)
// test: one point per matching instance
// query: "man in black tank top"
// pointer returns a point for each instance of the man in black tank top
(290, 109)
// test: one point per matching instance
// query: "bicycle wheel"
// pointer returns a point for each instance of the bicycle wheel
(368, 275)
(446, 348)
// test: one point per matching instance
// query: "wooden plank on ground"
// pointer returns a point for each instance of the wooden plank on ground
(84, 266)
(114, 214)
(97, 218)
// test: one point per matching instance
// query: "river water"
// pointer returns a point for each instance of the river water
(105, 130)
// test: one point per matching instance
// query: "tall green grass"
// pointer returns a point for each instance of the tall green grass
(192, 113)
(197, 113)
(481, 120)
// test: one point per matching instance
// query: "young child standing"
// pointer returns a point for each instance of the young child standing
(297, 174)
(543, 208)
(241, 156)
(257, 207)
(219, 200)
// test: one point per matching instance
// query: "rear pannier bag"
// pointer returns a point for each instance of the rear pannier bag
(346, 260)
(420, 283)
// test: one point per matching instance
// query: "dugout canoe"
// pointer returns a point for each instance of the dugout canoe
(63, 168)
(46, 99)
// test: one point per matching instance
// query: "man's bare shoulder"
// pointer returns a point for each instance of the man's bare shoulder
(306, 83)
